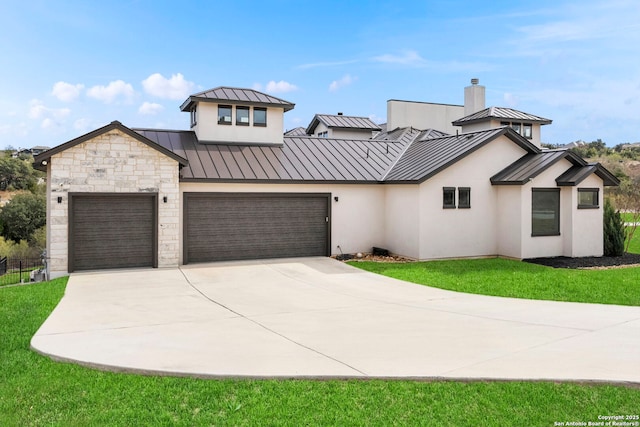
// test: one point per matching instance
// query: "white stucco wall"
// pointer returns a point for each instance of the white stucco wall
(492, 124)
(423, 115)
(208, 129)
(587, 232)
(111, 163)
(402, 220)
(510, 220)
(453, 233)
(351, 134)
(357, 218)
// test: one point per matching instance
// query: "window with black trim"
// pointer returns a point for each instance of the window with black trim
(464, 197)
(545, 212)
(194, 116)
(588, 198)
(242, 116)
(448, 197)
(224, 114)
(259, 116)
(524, 129)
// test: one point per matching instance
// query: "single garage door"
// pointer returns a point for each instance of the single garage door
(223, 226)
(112, 231)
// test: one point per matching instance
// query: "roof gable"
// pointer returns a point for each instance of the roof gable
(236, 95)
(500, 113)
(41, 160)
(426, 157)
(577, 174)
(340, 121)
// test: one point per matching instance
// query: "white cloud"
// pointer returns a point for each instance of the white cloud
(66, 91)
(111, 92)
(150, 108)
(82, 124)
(280, 87)
(37, 110)
(47, 123)
(175, 87)
(510, 99)
(346, 80)
(408, 57)
(377, 119)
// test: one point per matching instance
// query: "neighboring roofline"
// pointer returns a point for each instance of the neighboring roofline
(115, 125)
(421, 102)
(197, 97)
(490, 116)
(316, 121)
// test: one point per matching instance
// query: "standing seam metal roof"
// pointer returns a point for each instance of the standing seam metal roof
(236, 95)
(300, 159)
(342, 122)
(500, 113)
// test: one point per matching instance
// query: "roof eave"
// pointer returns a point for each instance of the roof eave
(187, 105)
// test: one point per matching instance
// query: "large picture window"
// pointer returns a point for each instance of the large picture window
(545, 212)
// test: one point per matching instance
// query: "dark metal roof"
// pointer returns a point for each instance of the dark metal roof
(340, 121)
(532, 165)
(577, 174)
(431, 134)
(235, 95)
(46, 155)
(300, 159)
(425, 158)
(500, 113)
(299, 131)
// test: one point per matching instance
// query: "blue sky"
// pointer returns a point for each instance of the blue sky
(72, 66)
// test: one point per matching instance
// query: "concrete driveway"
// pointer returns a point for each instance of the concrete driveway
(316, 317)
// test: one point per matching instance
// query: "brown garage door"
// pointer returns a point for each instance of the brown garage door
(112, 231)
(222, 226)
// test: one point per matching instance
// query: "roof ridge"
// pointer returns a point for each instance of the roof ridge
(397, 159)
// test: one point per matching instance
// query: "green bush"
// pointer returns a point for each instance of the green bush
(22, 216)
(614, 233)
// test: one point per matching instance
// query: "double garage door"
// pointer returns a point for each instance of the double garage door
(224, 226)
(121, 230)
(113, 231)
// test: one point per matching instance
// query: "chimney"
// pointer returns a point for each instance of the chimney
(473, 97)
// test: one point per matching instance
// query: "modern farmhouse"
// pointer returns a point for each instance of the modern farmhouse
(435, 181)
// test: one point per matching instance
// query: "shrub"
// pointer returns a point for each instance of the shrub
(614, 232)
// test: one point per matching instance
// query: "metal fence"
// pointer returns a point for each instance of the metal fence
(21, 270)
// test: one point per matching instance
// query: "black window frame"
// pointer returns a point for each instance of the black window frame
(238, 117)
(258, 123)
(464, 203)
(596, 198)
(221, 120)
(529, 127)
(535, 231)
(448, 192)
(194, 116)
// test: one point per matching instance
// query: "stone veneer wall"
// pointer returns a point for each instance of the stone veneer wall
(112, 162)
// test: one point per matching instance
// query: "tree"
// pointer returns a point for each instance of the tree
(24, 214)
(627, 199)
(614, 232)
(18, 174)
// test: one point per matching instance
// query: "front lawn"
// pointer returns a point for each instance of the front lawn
(35, 391)
(509, 278)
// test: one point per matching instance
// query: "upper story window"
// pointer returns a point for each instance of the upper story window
(259, 116)
(242, 116)
(324, 134)
(545, 212)
(588, 198)
(224, 114)
(524, 129)
(194, 116)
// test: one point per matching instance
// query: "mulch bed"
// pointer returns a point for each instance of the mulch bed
(626, 260)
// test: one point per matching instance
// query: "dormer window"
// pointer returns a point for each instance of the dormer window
(194, 116)
(224, 114)
(259, 116)
(524, 129)
(242, 116)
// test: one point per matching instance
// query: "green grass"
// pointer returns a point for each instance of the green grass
(35, 391)
(634, 245)
(509, 278)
